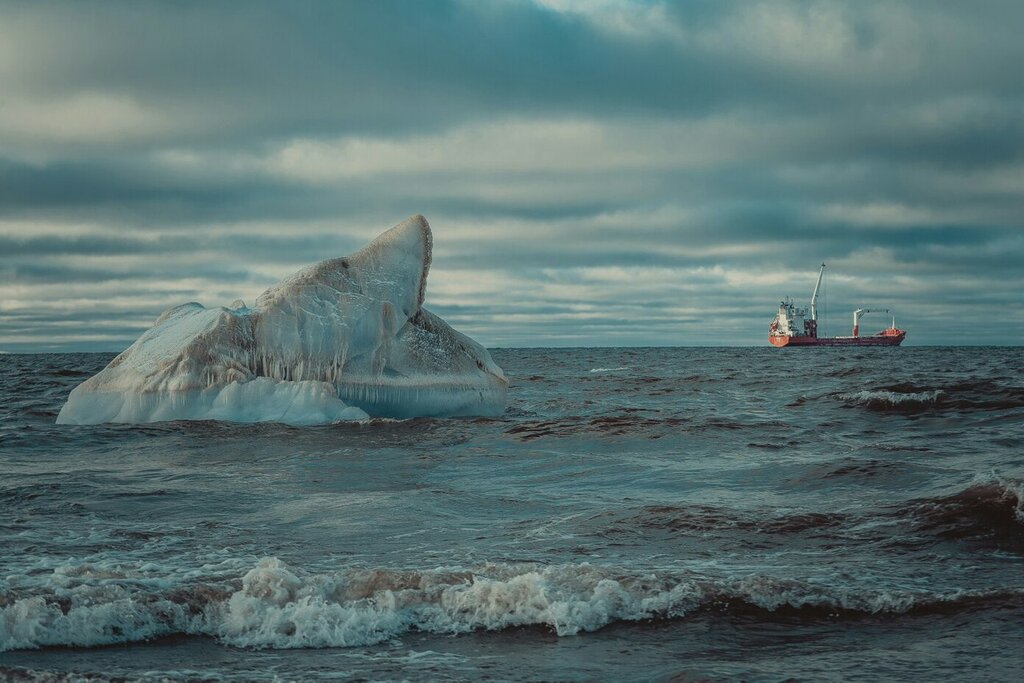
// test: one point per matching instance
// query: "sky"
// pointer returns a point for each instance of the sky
(594, 172)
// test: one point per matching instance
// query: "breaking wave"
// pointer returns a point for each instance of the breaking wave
(909, 398)
(277, 606)
(893, 401)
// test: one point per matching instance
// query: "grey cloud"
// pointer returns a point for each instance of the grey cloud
(27, 273)
(250, 72)
(884, 138)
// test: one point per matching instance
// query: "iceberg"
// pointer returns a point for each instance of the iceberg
(343, 339)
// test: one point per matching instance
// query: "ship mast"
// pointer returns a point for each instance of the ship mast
(814, 297)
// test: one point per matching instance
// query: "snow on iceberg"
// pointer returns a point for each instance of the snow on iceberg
(340, 340)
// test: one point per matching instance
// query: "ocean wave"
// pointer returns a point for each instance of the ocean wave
(989, 513)
(991, 509)
(277, 606)
(636, 422)
(893, 401)
(704, 519)
(863, 469)
(628, 422)
(910, 398)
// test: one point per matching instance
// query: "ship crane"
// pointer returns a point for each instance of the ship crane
(814, 297)
(859, 313)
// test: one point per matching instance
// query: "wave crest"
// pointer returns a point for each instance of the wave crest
(985, 509)
(893, 401)
(278, 606)
(910, 398)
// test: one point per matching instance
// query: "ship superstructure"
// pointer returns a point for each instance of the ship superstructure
(791, 326)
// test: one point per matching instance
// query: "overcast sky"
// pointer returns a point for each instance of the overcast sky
(595, 173)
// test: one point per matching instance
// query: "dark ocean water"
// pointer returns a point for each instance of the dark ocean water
(637, 514)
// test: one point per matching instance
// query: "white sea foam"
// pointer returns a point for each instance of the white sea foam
(892, 397)
(278, 606)
(608, 369)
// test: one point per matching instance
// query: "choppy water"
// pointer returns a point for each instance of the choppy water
(636, 514)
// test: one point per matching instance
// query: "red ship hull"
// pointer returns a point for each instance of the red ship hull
(890, 337)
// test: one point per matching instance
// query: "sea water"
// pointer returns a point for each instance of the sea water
(650, 513)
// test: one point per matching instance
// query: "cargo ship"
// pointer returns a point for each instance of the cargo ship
(792, 327)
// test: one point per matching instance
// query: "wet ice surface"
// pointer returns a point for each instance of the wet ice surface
(693, 512)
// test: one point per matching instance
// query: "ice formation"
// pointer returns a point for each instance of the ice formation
(340, 340)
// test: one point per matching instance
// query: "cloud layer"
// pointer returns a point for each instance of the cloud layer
(595, 172)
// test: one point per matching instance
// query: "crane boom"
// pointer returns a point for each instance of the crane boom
(814, 297)
(857, 316)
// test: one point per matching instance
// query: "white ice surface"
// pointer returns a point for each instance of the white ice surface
(339, 340)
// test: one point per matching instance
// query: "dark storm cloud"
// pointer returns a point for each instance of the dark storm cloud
(606, 172)
(258, 69)
(249, 71)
